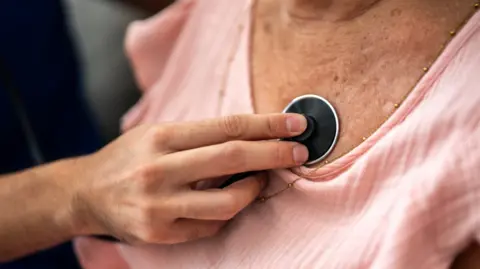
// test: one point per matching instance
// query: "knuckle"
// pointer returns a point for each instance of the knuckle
(279, 156)
(146, 222)
(181, 209)
(169, 208)
(234, 155)
(230, 209)
(233, 126)
(151, 177)
(274, 127)
(146, 214)
(144, 178)
(161, 135)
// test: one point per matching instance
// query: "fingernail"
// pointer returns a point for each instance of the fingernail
(300, 154)
(296, 124)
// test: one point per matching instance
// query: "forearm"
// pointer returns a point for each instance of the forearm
(35, 210)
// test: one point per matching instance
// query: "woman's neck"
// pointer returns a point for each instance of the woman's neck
(327, 10)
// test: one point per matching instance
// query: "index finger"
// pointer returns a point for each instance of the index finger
(188, 135)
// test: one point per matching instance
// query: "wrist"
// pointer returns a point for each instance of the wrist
(73, 214)
(36, 206)
(58, 195)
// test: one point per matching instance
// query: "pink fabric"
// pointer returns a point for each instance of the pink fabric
(408, 197)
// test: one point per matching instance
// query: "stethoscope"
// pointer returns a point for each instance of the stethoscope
(320, 136)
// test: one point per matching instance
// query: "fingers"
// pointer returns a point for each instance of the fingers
(188, 135)
(224, 204)
(191, 215)
(197, 214)
(231, 158)
(184, 230)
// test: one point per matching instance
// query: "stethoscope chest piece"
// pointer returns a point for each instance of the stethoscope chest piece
(321, 134)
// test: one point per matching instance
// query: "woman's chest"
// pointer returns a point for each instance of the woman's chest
(363, 98)
(365, 74)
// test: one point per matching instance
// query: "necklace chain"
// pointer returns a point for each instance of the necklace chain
(230, 59)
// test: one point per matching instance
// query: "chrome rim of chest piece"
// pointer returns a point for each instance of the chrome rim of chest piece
(321, 135)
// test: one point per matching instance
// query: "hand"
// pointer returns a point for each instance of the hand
(140, 188)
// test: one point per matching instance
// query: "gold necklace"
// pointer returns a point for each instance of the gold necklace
(230, 59)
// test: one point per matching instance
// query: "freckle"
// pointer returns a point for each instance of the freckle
(267, 27)
(396, 12)
(335, 78)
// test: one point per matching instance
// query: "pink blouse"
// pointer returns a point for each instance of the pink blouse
(407, 197)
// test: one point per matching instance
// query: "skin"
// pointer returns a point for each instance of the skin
(140, 188)
(362, 55)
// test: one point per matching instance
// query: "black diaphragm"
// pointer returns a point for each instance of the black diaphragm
(321, 134)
